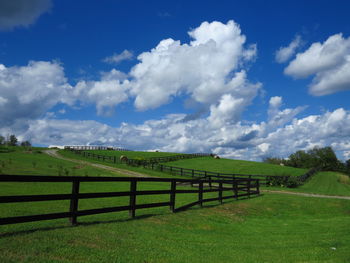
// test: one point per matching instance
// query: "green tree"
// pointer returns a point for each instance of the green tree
(13, 140)
(26, 144)
(2, 140)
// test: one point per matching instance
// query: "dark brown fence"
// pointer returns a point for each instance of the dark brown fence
(206, 175)
(138, 162)
(236, 188)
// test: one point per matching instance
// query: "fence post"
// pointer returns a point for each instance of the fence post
(74, 202)
(181, 171)
(200, 193)
(235, 188)
(172, 195)
(248, 186)
(192, 173)
(220, 192)
(210, 182)
(132, 198)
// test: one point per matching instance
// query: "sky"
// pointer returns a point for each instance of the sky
(242, 79)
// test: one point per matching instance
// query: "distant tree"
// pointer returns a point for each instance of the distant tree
(324, 158)
(13, 140)
(2, 140)
(347, 166)
(26, 144)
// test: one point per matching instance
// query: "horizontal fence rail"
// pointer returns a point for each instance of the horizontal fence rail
(236, 188)
(154, 164)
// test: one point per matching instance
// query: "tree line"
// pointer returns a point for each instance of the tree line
(323, 158)
(11, 140)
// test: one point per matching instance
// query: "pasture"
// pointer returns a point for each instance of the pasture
(270, 228)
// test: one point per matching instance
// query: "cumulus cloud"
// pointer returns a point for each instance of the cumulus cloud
(283, 54)
(207, 68)
(117, 58)
(14, 13)
(28, 92)
(327, 62)
(234, 140)
(106, 93)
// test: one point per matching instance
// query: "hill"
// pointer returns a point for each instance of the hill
(236, 166)
(269, 228)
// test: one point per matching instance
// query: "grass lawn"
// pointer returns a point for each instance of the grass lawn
(132, 154)
(35, 162)
(236, 166)
(269, 228)
(327, 183)
(139, 169)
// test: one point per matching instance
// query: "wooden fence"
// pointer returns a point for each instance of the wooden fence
(154, 164)
(206, 175)
(236, 188)
(137, 162)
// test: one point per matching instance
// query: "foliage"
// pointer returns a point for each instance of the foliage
(13, 140)
(323, 158)
(26, 144)
(283, 181)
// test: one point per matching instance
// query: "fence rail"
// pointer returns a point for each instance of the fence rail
(236, 188)
(154, 163)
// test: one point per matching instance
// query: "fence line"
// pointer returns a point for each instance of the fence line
(153, 163)
(239, 187)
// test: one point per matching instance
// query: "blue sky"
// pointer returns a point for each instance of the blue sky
(243, 79)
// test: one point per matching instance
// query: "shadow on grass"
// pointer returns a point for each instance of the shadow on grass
(44, 229)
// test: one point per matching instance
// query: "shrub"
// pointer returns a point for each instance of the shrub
(283, 181)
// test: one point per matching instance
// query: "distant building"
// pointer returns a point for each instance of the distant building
(93, 147)
(56, 146)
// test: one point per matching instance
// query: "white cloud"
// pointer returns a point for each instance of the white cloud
(14, 13)
(328, 62)
(106, 93)
(28, 92)
(206, 68)
(117, 58)
(285, 53)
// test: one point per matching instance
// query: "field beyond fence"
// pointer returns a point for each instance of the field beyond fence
(236, 189)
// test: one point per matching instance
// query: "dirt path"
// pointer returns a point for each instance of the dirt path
(55, 154)
(308, 195)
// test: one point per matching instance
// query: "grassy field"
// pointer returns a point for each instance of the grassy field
(133, 154)
(35, 162)
(142, 170)
(327, 183)
(236, 166)
(269, 228)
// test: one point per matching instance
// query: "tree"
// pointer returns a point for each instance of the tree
(2, 140)
(13, 140)
(26, 144)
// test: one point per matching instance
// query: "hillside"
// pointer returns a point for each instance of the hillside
(277, 227)
(236, 166)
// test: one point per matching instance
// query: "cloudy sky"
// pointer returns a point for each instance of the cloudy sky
(243, 79)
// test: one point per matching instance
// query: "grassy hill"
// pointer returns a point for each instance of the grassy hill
(133, 154)
(269, 228)
(236, 166)
(35, 162)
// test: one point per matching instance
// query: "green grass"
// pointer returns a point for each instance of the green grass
(269, 228)
(140, 169)
(327, 183)
(236, 166)
(35, 162)
(133, 154)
